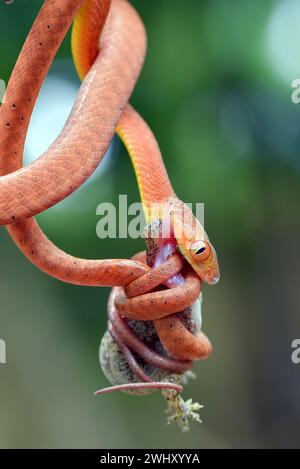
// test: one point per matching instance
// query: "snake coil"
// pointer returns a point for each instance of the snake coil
(144, 345)
(25, 192)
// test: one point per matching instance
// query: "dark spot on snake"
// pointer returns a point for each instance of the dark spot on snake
(7, 124)
(13, 105)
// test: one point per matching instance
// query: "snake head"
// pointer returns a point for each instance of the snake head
(193, 242)
(203, 258)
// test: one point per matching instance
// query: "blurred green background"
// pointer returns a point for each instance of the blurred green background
(216, 90)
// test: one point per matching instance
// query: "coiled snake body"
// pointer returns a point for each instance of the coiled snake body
(108, 44)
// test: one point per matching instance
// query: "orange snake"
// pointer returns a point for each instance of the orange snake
(109, 67)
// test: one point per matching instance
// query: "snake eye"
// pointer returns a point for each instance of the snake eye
(200, 250)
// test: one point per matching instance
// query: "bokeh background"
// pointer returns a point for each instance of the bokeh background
(216, 90)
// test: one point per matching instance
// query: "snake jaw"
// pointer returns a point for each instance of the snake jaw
(165, 251)
(160, 235)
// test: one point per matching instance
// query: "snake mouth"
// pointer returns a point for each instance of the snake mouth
(167, 248)
(160, 236)
(208, 275)
(212, 279)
